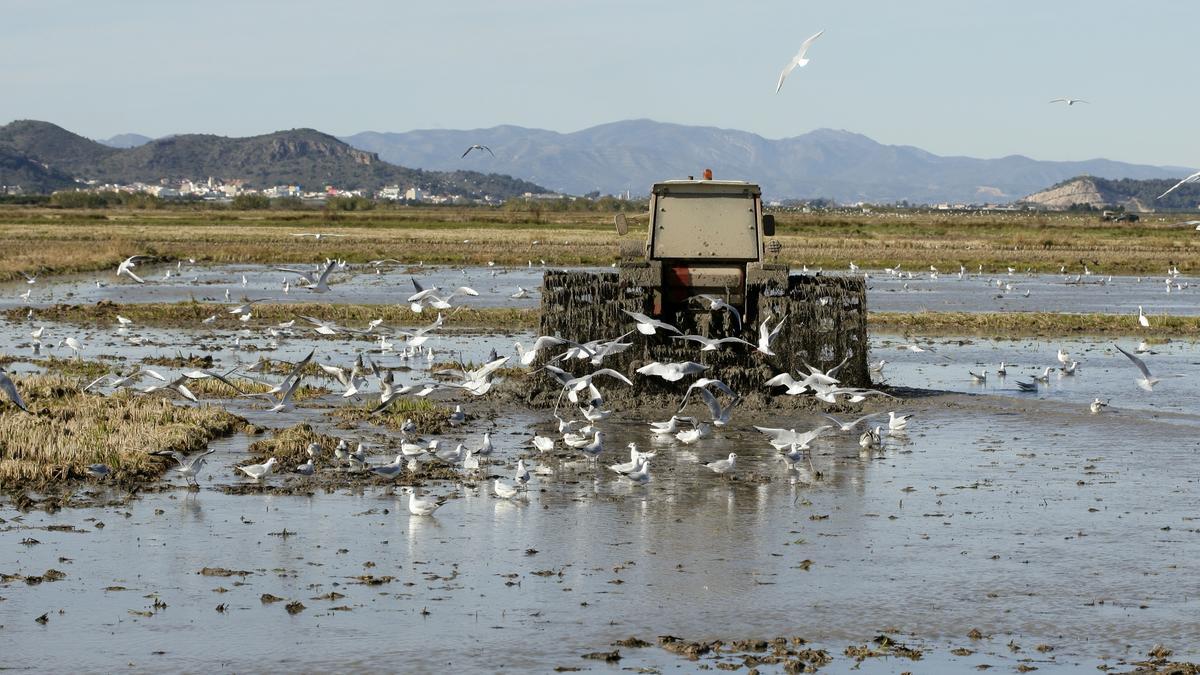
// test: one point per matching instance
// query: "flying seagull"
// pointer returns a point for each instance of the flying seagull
(798, 61)
(1068, 101)
(1190, 179)
(478, 147)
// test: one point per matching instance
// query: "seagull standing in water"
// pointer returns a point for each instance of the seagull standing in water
(258, 471)
(724, 466)
(798, 61)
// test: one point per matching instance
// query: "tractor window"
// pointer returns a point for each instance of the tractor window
(714, 227)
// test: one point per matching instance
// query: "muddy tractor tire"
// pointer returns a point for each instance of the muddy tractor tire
(826, 323)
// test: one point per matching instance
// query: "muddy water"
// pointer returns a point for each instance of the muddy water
(1020, 515)
(1024, 521)
(974, 293)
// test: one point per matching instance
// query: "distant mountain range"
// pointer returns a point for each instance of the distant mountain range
(631, 155)
(610, 159)
(41, 157)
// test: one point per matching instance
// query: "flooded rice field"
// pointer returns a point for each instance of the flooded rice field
(988, 292)
(1007, 529)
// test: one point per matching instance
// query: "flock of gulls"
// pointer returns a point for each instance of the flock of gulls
(580, 411)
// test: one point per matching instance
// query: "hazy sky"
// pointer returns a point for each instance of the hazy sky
(955, 77)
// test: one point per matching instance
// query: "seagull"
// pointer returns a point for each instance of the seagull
(720, 415)
(871, 438)
(849, 426)
(592, 450)
(423, 506)
(391, 469)
(648, 325)
(10, 390)
(457, 417)
(672, 372)
(798, 61)
(670, 426)
(1026, 386)
(784, 438)
(322, 283)
(641, 474)
(98, 471)
(479, 147)
(1002, 371)
(694, 434)
(723, 466)
(258, 471)
(306, 469)
(520, 294)
(704, 383)
(317, 236)
(504, 490)
(898, 422)
(1063, 357)
(528, 356)
(1069, 101)
(1097, 406)
(1190, 179)
(766, 337)
(1142, 320)
(716, 304)
(543, 443)
(127, 265)
(1147, 381)
(635, 458)
(710, 344)
(978, 378)
(188, 469)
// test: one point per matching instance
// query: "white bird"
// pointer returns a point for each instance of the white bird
(767, 336)
(391, 469)
(712, 344)
(1068, 101)
(592, 450)
(127, 265)
(1002, 370)
(457, 417)
(522, 472)
(635, 458)
(724, 466)
(1097, 406)
(648, 325)
(670, 426)
(322, 283)
(716, 304)
(849, 426)
(1190, 179)
(898, 422)
(979, 378)
(543, 444)
(798, 61)
(720, 415)
(189, 469)
(419, 505)
(640, 474)
(1063, 357)
(504, 490)
(784, 438)
(704, 383)
(529, 355)
(10, 390)
(1147, 381)
(871, 438)
(306, 469)
(672, 372)
(479, 147)
(694, 434)
(486, 447)
(258, 471)
(317, 236)
(1142, 320)
(521, 293)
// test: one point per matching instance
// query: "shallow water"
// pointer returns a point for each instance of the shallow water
(1021, 515)
(1021, 524)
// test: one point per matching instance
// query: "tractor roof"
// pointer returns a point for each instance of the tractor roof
(730, 187)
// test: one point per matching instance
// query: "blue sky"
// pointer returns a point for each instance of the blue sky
(953, 77)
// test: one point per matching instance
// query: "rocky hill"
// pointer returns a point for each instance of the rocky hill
(630, 155)
(304, 157)
(1132, 195)
(126, 140)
